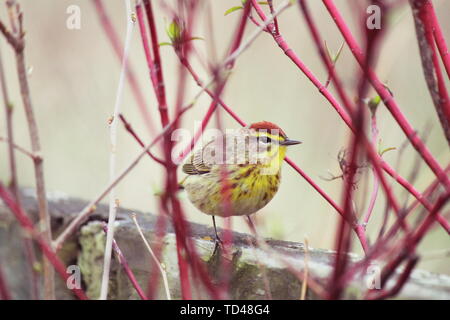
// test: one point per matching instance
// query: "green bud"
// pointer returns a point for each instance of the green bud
(373, 104)
(232, 9)
(174, 32)
(382, 152)
(37, 267)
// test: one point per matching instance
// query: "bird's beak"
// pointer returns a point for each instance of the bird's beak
(289, 142)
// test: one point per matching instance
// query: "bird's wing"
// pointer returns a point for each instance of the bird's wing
(195, 164)
(230, 148)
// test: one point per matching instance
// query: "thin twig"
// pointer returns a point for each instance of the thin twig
(376, 183)
(124, 263)
(130, 129)
(14, 182)
(305, 272)
(113, 38)
(112, 159)
(10, 133)
(18, 148)
(334, 61)
(12, 40)
(18, 44)
(162, 269)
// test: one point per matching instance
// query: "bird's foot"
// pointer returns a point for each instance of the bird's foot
(218, 246)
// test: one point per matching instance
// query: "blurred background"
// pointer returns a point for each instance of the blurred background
(74, 76)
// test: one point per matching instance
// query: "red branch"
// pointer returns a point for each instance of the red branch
(145, 44)
(157, 65)
(342, 235)
(410, 242)
(387, 97)
(4, 291)
(186, 251)
(348, 106)
(324, 91)
(124, 263)
(27, 225)
(128, 127)
(430, 62)
(439, 38)
(171, 187)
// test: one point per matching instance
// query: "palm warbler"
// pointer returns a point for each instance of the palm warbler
(246, 163)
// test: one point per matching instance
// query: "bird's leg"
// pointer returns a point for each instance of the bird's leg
(218, 241)
(252, 226)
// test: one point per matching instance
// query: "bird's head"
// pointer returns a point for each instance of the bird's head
(271, 141)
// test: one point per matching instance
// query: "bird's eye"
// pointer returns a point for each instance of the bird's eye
(265, 139)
